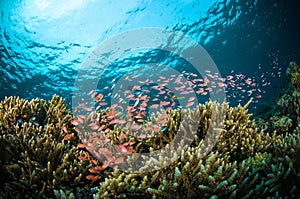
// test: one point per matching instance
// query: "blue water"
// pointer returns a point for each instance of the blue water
(44, 43)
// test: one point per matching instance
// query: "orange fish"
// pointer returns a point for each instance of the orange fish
(102, 167)
(191, 99)
(92, 178)
(118, 160)
(189, 104)
(154, 106)
(168, 108)
(93, 170)
(258, 96)
(164, 103)
(94, 162)
(131, 96)
(140, 120)
(122, 122)
(82, 104)
(103, 103)
(184, 92)
(82, 158)
(68, 136)
(115, 121)
(88, 109)
(104, 151)
(125, 150)
(87, 154)
(80, 146)
(99, 97)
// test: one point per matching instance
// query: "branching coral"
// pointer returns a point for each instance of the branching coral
(225, 155)
(38, 149)
(231, 169)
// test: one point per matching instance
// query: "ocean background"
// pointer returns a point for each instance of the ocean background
(44, 43)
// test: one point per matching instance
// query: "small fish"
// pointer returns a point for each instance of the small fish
(161, 92)
(118, 160)
(102, 167)
(258, 96)
(164, 103)
(80, 146)
(229, 77)
(189, 104)
(184, 92)
(154, 106)
(94, 162)
(99, 97)
(122, 122)
(125, 150)
(68, 136)
(81, 158)
(104, 151)
(93, 178)
(83, 104)
(191, 99)
(93, 170)
(88, 109)
(168, 108)
(131, 96)
(87, 154)
(103, 103)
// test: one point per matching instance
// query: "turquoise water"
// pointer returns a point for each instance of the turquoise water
(44, 43)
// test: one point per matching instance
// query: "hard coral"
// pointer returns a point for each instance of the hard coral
(284, 116)
(294, 72)
(38, 149)
(244, 162)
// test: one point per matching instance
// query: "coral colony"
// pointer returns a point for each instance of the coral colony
(47, 153)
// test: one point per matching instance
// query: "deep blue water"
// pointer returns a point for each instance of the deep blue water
(43, 44)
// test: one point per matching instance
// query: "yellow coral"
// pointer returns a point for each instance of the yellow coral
(296, 80)
(294, 72)
(245, 161)
(36, 158)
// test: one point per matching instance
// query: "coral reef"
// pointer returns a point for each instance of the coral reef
(220, 151)
(245, 162)
(39, 154)
(283, 117)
